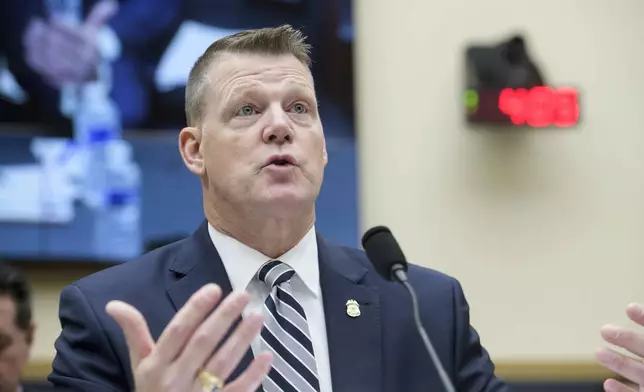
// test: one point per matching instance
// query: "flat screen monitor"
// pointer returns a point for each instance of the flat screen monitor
(47, 52)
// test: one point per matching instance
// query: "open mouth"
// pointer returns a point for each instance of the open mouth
(280, 162)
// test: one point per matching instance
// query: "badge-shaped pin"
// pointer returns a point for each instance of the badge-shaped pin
(353, 309)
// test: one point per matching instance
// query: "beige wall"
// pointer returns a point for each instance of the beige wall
(544, 229)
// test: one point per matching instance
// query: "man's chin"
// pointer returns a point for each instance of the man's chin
(285, 200)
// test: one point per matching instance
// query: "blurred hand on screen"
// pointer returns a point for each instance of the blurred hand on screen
(64, 53)
(189, 344)
(630, 367)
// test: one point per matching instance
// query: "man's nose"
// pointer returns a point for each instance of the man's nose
(279, 129)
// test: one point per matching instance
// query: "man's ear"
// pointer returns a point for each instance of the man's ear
(189, 143)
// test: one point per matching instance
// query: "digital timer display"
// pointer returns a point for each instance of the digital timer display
(535, 107)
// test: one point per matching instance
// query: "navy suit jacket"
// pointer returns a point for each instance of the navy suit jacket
(379, 351)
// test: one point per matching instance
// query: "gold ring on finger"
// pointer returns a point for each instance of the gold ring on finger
(210, 382)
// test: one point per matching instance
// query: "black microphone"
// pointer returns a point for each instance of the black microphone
(390, 262)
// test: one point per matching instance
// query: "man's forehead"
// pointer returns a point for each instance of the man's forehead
(230, 69)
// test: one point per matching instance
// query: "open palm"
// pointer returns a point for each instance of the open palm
(630, 367)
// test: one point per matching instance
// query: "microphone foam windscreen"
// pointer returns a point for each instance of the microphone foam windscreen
(383, 250)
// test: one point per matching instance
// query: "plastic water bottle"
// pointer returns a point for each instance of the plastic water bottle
(117, 224)
(96, 123)
(56, 190)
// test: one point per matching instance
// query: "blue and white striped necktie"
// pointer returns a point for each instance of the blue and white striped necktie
(286, 334)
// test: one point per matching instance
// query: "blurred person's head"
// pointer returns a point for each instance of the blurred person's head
(16, 326)
(255, 138)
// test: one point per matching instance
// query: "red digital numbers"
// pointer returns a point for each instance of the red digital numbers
(540, 106)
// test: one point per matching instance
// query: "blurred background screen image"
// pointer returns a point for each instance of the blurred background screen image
(91, 104)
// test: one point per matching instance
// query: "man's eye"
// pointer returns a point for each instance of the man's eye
(299, 108)
(246, 110)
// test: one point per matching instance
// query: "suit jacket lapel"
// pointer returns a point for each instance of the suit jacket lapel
(355, 343)
(198, 263)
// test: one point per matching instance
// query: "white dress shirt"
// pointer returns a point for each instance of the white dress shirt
(242, 263)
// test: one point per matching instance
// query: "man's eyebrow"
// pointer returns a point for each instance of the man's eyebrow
(303, 90)
(240, 93)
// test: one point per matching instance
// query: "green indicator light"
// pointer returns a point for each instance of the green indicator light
(471, 99)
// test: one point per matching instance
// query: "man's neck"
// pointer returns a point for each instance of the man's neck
(271, 236)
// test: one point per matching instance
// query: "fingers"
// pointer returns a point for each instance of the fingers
(186, 321)
(72, 57)
(230, 353)
(621, 364)
(212, 331)
(71, 35)
(58, 52)
(630, 340)
(616, 386)
(63, 52)
(252, 377)
(100, 14)
(32, 37)
(135, 329)
(636, 313)
(72, 41)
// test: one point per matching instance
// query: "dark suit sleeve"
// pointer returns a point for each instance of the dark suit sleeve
(474, 368)
(85, 360)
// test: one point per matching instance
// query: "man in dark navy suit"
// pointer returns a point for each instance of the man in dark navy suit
(256, 298)
(327, 320)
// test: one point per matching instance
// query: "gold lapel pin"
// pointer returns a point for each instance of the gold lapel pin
(353, 309)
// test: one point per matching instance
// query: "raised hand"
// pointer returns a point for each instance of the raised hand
(630, 367)
(189, 344)
(63, 53)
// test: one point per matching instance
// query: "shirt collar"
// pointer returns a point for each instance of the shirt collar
(242, 262)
